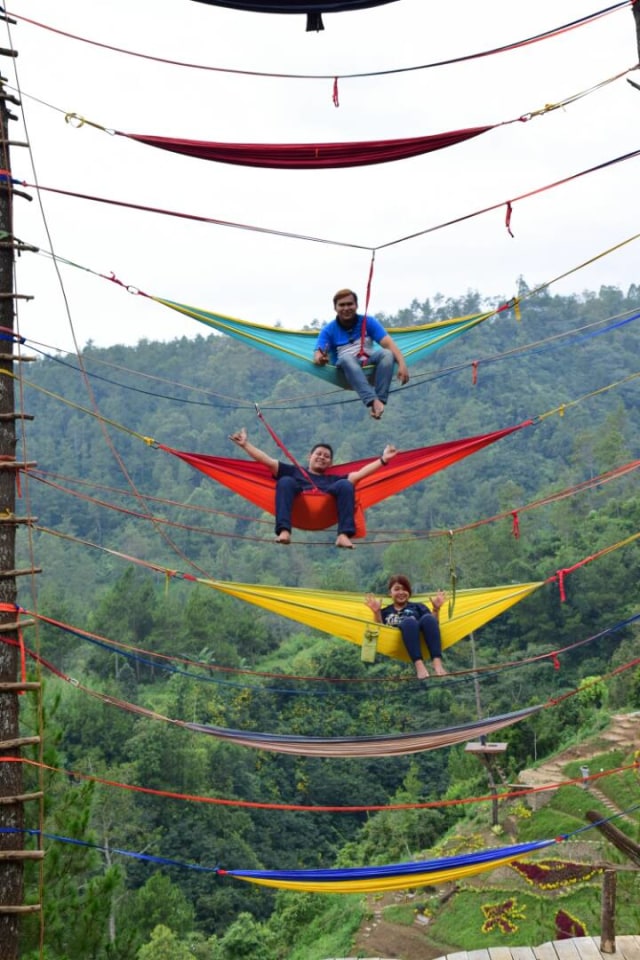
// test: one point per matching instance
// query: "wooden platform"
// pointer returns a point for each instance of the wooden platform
(580, 948)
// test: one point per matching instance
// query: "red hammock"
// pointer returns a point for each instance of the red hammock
(305, 156)
(314, 510)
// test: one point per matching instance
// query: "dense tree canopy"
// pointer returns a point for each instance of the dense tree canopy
(127, 509)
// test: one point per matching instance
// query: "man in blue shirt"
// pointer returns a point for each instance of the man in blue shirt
(342, 343)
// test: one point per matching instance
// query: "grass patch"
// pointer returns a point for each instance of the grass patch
(547, 823)
(404, 914)
(532, 916)
(566, 810)
(332, 932)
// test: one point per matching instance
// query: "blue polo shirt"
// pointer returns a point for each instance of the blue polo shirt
(334, 339)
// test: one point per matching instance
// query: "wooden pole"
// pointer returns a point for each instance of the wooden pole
(484, 758)
(608, 912)
(11, 788)
(636, 15)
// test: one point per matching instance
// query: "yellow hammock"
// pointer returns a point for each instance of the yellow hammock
(346, 616)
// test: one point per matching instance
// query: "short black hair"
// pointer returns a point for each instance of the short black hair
(326, 446)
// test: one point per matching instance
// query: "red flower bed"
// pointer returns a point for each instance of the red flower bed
(567, 927)
(551, 874)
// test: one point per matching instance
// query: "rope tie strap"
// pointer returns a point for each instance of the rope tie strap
(507, 220)
(453, 576)
(14, 608)
(286, 452)
(363, 356)
(76, 121)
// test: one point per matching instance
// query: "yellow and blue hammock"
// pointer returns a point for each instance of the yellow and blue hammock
(393, 876)
(296, 346)
(346, 616)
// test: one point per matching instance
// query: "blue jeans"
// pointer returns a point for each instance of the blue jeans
(287, 489)
(355, 376)
(429, 627)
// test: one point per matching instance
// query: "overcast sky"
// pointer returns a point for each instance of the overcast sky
(273, 280)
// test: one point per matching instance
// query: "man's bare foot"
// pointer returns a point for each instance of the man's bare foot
(438, 668)
(376, 409)
(343, 541)
(421, 671)
(284, 537)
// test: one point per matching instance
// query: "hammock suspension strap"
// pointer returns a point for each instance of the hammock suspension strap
(286, 452)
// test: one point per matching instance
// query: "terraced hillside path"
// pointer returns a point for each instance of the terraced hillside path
(379, 939)
(623, 733)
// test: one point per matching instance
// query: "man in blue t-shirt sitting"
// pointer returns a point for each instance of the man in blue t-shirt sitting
(342, 343)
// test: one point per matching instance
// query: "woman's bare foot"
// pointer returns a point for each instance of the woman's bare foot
(284, 537)
(421, 671)
(343, 541)
(438, 668)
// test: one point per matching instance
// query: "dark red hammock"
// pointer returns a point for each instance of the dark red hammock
(314, 510)
(313, 8)
(308, 156)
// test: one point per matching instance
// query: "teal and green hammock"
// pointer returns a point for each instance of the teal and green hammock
(296, 346)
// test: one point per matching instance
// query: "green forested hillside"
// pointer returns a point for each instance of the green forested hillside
(568, 365)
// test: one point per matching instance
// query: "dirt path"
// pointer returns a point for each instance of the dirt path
(380, 940)
(623, 731)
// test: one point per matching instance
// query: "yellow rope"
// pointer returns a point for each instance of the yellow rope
(586, 396)
(76, 121)
(76, 406)
(548, 107)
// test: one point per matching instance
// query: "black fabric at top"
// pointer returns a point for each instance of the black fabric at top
(313, 8)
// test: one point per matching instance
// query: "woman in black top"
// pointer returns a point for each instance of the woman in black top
(414, 620)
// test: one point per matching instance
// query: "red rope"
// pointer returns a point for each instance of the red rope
(362, 354)
(308, 808)
(286, 452)
(514, 45)
(13, 608)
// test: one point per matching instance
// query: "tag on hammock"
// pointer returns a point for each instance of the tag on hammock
(369, 645)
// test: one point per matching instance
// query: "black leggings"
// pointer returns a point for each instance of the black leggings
(429, 628)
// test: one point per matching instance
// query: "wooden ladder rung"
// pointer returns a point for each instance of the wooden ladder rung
(16, 625)
(22, 797)
(20, 573)
(21, 854)
(18, 742)
(22, 908)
